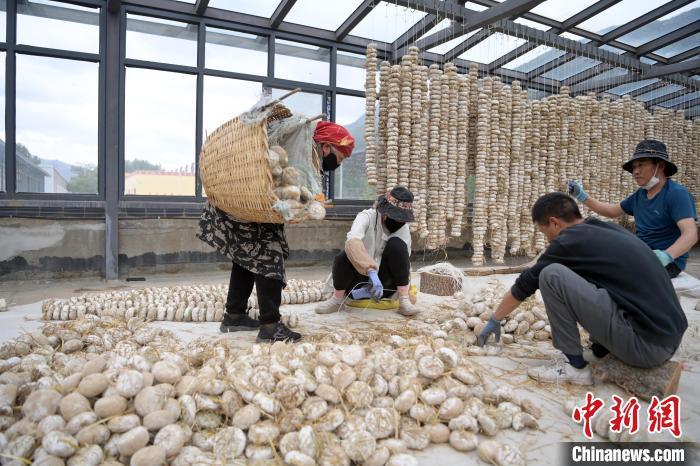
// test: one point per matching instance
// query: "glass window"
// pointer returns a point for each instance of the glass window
(561, 11)
(3, 20)
(660, 92)
(450, 44)
(226, 98)
(2, 121)
(570, 68)
(534, 59)
(672, 21)
(386, 22)
(236, 51)
(492, 48)
(351, 71)
(160, 40)
(351, 178)
(58, 25)
(619, 14)
(263, 8)
(680, 46)
(159, 141)
(315, 13)
(57, 118)
(304, 103)
(631, 87)
(302, 62)
(681, 100)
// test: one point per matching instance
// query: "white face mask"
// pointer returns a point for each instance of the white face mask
(653, 181)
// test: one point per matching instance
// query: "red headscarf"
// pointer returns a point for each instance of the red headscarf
(336, 135)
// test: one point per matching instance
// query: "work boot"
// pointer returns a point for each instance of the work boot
(238, 323)
(270, 333)
(561, 371)
(406, 308)
(330, 305)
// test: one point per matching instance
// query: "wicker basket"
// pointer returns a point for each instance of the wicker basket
(439, 285)
(235, 170)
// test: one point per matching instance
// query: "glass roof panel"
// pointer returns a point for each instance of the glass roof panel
(315, 13)
(442, 25)
(450, 44)
(660, 92)
(681, 99)
(631, 87)
(570, 68)
(386, 22)
(576, 37)
(561, 11)
(263, 8)
(613, 73)
(492, 48)
(619, 14)
(534, 59)
(612, 49)
(532, 24)
(672, 21)
(475, 6)
(696, 77)
(680, 46)
(647, 60)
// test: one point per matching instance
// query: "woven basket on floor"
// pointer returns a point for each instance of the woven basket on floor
(235, 170)
(439, 285)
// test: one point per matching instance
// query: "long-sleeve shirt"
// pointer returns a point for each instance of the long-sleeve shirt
(368, 228)
(610, 257)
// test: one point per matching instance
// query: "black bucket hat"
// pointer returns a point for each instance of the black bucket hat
(397, 205)
(652, 149)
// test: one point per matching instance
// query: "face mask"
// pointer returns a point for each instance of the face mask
(392, 225)
(330, 162)
(653, 181)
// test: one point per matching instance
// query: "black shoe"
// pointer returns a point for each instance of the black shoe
(270, 333)
(238, 323)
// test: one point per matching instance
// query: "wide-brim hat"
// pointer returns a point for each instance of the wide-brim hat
(397, 204)
(652, 149)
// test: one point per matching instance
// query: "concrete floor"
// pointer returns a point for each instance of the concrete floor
(541, 447)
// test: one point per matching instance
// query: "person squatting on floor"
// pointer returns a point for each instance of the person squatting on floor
(664, 210)
(598, 275)
(258, 250)
(377, 252)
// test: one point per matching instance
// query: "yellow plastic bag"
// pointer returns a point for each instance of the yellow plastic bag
(382, 304)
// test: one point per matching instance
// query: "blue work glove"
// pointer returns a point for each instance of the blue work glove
(576, 190)
(492, 326)
(376, 288)
(361, 293)
(663, 256)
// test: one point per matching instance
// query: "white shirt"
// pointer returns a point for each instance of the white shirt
(368, 227)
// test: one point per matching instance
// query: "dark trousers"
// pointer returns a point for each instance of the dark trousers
(394, 270)
(240, 288)
(673, 270)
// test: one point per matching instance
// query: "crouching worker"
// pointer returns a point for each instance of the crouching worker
(600, 276)
(377, 253)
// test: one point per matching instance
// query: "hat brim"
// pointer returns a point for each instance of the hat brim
(669, 170)
(393, 212)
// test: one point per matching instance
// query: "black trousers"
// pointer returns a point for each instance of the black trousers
(394, 270)
(240, 288)
(673, 270)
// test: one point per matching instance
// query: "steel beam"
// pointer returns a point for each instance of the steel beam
(113, 114)
(645, 19)
(114, 5)
(280, 12)
(685, 55)
(416, 31)
(675, 36)
(664, 70)
(589, 12)
(354, 19)
(200, 7)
